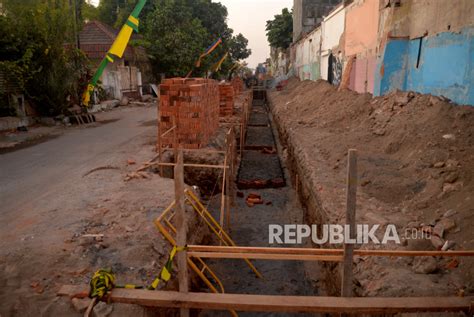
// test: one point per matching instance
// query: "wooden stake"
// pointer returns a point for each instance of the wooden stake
(224, 177)
(175, 139)
(347, 273)
(181, 226)
(160, 145)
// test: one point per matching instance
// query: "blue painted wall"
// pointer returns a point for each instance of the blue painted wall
(445, 66)
(390, 72)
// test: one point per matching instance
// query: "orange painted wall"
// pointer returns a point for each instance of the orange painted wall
(361, 27)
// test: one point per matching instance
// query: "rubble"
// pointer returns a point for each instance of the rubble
(80, 304)
(425, 265)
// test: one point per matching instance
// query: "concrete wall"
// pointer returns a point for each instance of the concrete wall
(384, 37)
(444, 66)
(417, 18)
(361, 27)
(307, 62)
(279, 60)
(361, 35)
(307, 14)
(332, 30)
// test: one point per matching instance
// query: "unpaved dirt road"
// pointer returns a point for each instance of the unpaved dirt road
(47, 203)
(31, 177)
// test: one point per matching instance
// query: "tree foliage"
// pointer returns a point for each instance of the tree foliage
(89, 12)
(238, 47)
(173, 37)
(280, 29)
(176, 32)
(33, 54)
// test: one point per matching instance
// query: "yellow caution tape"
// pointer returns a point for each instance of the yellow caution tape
(103, 280)
(101, 283)
(166, 271)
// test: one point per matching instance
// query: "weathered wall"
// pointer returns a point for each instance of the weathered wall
(361, 34)
(361, 27)
(442, 65)
(279, 59)
(332, 29)
(307, 62)
(417, 18)
(383, 37)
(362, 74)
(307, 14)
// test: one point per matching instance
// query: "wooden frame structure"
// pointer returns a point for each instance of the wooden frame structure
(346, 304)
(228, 167)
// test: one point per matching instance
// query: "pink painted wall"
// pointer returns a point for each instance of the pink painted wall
(361, 26)
(371, 66)
(362, 75)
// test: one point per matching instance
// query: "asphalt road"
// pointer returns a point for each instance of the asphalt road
(31, 177)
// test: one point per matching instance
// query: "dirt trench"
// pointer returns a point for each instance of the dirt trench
(261, 172)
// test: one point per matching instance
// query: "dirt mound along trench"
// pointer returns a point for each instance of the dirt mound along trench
(416, 166)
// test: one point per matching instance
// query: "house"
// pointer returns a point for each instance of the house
(126, 76)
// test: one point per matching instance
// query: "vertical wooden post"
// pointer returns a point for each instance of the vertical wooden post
(175, 139)
(233, 163)
(181, 226)
(160, 145)
(347, 273)
(224, 183)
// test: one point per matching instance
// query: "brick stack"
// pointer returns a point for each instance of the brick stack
(226, 96)
(238, 84)
(194, 103)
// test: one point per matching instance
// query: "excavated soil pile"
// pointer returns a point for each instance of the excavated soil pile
(416, 168)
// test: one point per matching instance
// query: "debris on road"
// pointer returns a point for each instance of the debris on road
(100, 168)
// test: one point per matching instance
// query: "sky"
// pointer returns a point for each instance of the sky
(249, 18)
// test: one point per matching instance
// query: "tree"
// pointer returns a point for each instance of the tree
(33, 53)
(173, 38)
(116, 12)
(238, 47)
(280, 30)
(176, 32)
(89, 11)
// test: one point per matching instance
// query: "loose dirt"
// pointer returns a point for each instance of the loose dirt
(416, 163)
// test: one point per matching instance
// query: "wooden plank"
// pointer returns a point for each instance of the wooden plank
(360, 252)
(347, 270)
(316, 304)
(265, 256)
(391, 253)
(204, 151)
(181, 226)
(249, 250)
(192, 165)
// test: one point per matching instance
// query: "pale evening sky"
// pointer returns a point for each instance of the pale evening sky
(249, 18)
